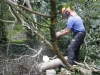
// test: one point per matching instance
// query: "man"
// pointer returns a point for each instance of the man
(75, 25)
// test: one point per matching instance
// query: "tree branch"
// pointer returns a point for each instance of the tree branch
(25, 15)
(32, 11)
(7, 21)
(29, 10)
(38, 33)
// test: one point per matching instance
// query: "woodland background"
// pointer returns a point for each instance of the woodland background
(27, 33)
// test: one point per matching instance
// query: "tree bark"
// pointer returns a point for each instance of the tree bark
(53, 35)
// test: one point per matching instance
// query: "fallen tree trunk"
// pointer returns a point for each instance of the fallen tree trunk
(51, 64)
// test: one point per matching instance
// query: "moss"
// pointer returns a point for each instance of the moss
(20, 41)
(16, 34)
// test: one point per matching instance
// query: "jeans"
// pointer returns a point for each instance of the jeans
(74, 47)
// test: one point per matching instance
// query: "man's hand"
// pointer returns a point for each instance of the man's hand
(58, 36)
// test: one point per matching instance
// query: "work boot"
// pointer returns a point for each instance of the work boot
(71, 62)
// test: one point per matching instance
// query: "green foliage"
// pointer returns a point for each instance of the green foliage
(18, 27)
(15, 32)
(23, 40)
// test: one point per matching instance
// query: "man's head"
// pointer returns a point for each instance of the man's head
(65, 12)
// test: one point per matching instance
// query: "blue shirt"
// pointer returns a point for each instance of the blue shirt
(75, 23)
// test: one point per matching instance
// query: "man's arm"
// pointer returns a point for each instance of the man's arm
(63, 32)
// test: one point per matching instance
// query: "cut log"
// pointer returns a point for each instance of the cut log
(51, 72)
(50, 64)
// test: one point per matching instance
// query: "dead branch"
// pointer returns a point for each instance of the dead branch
(26, 46)
(6, 21)
(25, 15)
(29, 10)
(37, 53)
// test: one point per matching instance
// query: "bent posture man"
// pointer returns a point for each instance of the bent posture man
(75, 25)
